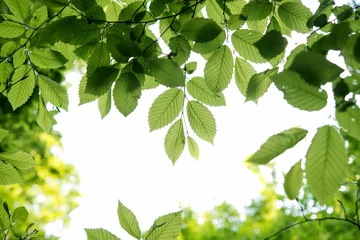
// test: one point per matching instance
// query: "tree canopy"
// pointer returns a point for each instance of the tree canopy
(130, 46)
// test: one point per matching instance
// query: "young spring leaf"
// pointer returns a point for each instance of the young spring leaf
(127, 92)
(47, 58)
(193, 148)
(243, 73)
(257, 10)
(299, 93)
(6, 70)
(166, 107)
(10, 29)
(350, 121)
(259, 84)
(128, 221)
(19, 58)
(201, 30)
(3, 133)
(99, 58)
(23, 83)
(53, 92)
(198, 89)
(326, 163)
(99, 234)
(277, 144)
(180, 47)
(100, 81)
(175, 141)
(20, 215)
(166, 72)
(243, 41)
(104, 104)
(39, 17)
(83, 95)
(43, 117)
(166, 227)
(112, 11)
(209, 47)
(18, 159)
(294, 15)
(8, 48)
(201, 121)
(293, 181)
(20, 8)
(271, 44)
(218, 69)
(8, 175)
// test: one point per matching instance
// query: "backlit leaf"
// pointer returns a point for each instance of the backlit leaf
(11, 29)
(257, 10)
(128, 221)
(350, 121)
(166, 227)
(3, 133)
(99, 234)
(193, 148)
(53, 92)
(243, 73)
(18, 159)
(259, 84)
(198, 89)
(294, 15)
(47, 58)
(293, 181)
(99, 58)
(175, 141)
(43, 117)
(104, 104)
(243, 41)
(8, 175)
(83, 95)
(209, 47)
(20, 215)
(100, 81)
(271, 44)
(180, 47)
(20, 8)
(200, 30)
(166, 72)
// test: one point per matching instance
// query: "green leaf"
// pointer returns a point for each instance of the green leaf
(236, 21)
(215, 12)
(128, 221)
(39, 17)
(175, 141)
(113, 10)
(53, 92)
(8, 175)
(43, 117)
(293, 181)
(166, 227)
(243, 73)
(294, 15)
(166, 72)
(83, 95)
(3, 133)
(100, 81)
(201, 121)
(201, 30)
(211, 46)
(180, 47)
(243, 41)
(8, 48)
(47, 58)
(67, 50)
(99, 234)
(271, 44)
(343, 12)
(19, 58)
(193, 148)
(357, 50)
(190, 67)
(259, 84)
(4, 214)
(198, 89)
(20, 8)
(326, 163)
(99, 58)
(257, 10)
(127, 92)
(10, 29)
(314, 68)
(218, 69)
(18, 159)
(350, 121)
(298, 93)
(166, 107)
(277, 144)
(104, 104)
(235, 6)
(20, 215)
(23, 83)
(6, 70)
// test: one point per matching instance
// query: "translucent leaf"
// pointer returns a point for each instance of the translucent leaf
(166, 72)
(19, 58)
(23, 83)
(99, 58)
(20, 215)
(350, 121)
(128, 221)
(166, 227)
(47, 58)
(100, 81)
(201, 121)
(104, 104)
(198, 89)
(18, 159)
(243, 73)
(180, 47)
(243, 41)
(3, 133)
(235, 7)
(43, 117)
(150, 83)
(271, 44)
(218, 69)
(8, 175)
(20, 8)
(113, 10)
(166, 107)
(357, 50)
(298, 93)
(193, 148)
(127, 92)
(293, 181)
(259, 84)
(6, 70)
(10, 29)
(39, 17)
(175, 141)
(315, 68)
(67, 50)
(165, 27)
(4, 214)
(99, 234)
(257, 10)
(8, 48)
(343, 12)
(200, 30)
(83, 95)
(326, 163)
(277, 144)
(53, 92)
(294, 15)
(211, 46)
(214, 11)
(190, 67)
(236, 21)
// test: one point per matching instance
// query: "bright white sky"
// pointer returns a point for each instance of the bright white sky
(117, 158)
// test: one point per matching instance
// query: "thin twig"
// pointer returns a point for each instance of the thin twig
(342, 206)
(302, 209)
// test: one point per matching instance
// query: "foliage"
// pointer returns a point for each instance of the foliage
(118, 42)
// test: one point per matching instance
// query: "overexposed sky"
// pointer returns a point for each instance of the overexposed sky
(118, 158)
